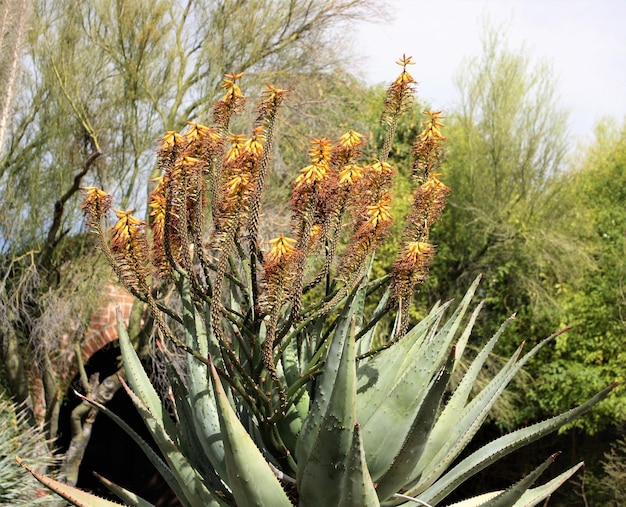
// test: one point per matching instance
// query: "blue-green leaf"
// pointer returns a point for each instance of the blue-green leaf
(495, 450)
(331, 468)
(250, 478)
(130, 498)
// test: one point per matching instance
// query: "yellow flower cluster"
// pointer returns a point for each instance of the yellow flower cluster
(320, 156)
(281, 249)
(233, 92)
(414, 251)
(350, 174)
(432, 126)
(96, 203)
(351, 139)
(379, 213)
(126, 230)
(404, 78)
(172, 139)
(254, 145)
(236, 149)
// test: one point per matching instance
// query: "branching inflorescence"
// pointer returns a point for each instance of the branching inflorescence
(203, 226)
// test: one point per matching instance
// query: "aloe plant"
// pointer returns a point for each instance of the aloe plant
(295, 390)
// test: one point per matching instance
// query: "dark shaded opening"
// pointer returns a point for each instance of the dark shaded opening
(111, 452)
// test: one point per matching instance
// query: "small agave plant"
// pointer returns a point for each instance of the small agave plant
(285, 396)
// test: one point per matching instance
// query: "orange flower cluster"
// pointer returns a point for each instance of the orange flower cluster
(400, 93)
(429, 199)
(240, 171)
(130, 251)
(233, 102)
(322, 192)
(209, 162)
(279, 269)
(432, 126)
(178, 199)
(324, 189)
(320, 156)
(127, 231)
(233, 92)
(371, 206)
(95, 205)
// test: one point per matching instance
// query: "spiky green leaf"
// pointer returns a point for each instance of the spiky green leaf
(331, 468)
(495, 450)
(191, 482)
(250, 478)
(402, 466)
(206, 419)
(130, 498)
(154, 458)
(510, 496)
(73, 495)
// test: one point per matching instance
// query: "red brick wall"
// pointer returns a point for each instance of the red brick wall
(102, 328)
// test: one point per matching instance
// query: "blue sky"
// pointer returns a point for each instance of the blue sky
(583, 40)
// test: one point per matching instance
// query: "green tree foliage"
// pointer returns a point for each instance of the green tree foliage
(614, 466)
(507, 219)
(109, 77)
(593, 352)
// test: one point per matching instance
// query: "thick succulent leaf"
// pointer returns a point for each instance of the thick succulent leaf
(385, 432)
(388, 411)
(140, 383)
(290, 425)
(475, 501)
(530, 497)
(206, 420)
(387, 429)
(448, 439)
(403, 464)
(377, 377)
(191, 483)
(325, 390)
(459, 397)
(154, 458)
(454, 322)
(535, 495)
(455, 406)
(73, 495)
(421, 347)
(250, 477)
(128, 497)
(510, 496)
(495, 450)
(331, 466)
(437, 459)
(191, 445)
(357, 488)
(461, 343)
